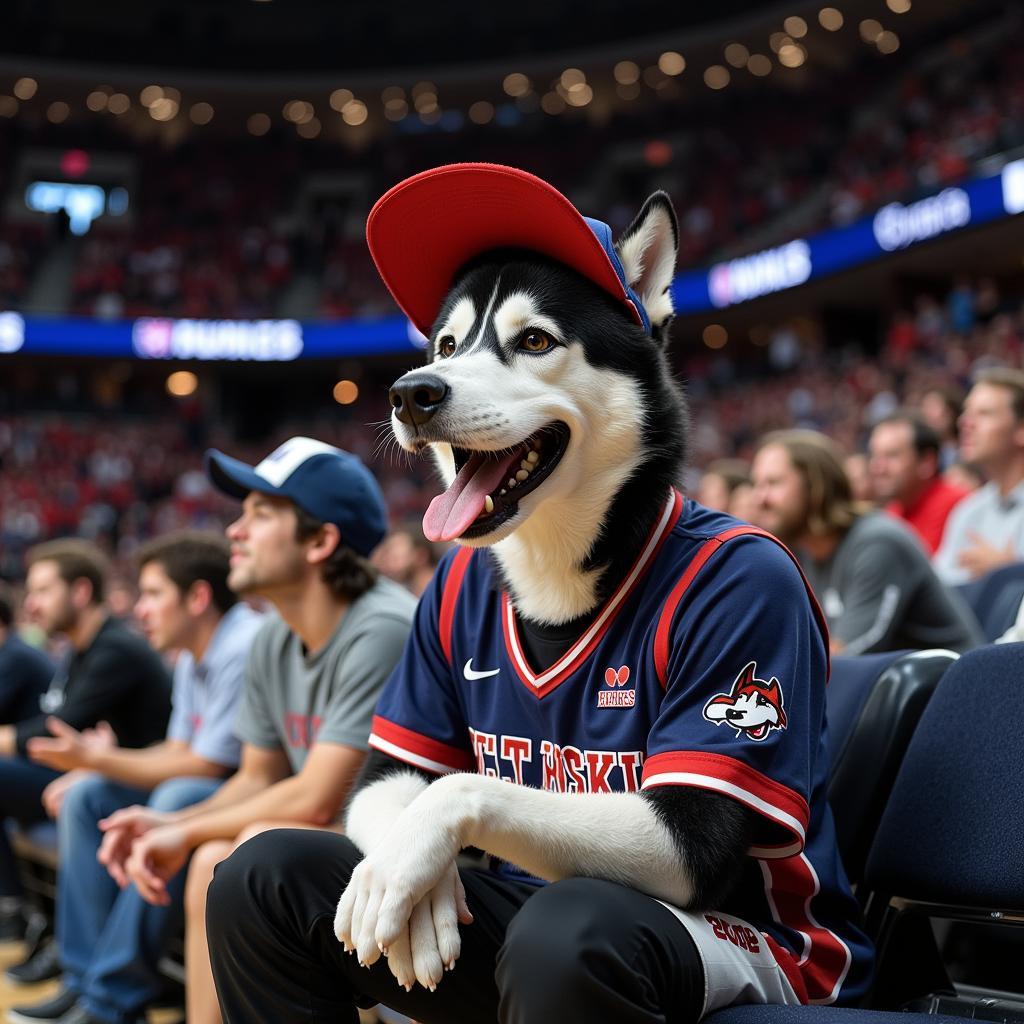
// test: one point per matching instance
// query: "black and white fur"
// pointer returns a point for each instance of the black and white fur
(561, 550)
(573, 538)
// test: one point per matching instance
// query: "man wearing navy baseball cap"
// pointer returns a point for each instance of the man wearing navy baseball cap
(325, 482)
(311, 514)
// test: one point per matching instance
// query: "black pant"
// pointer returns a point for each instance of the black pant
(581, 950)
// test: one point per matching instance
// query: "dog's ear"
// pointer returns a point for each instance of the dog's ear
(746, 676)
(647, 250)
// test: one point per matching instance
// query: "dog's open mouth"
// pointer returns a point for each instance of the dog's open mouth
(488, 486)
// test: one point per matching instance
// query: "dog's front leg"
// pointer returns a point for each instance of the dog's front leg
(410, 862)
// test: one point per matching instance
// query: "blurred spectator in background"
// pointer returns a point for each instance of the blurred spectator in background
(720, 482)
(940, 409)
(407, 557)
(108, 938)
(986, 530)
(858, 472)
(964, 475)
(876, 586)
(121, 598)
(110, 675)
(24, 671)
(905, 476)
(742, 504)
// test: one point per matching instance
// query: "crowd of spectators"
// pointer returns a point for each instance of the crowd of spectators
(797, 378)
(121, 481)
(21, 246)
(208, 238)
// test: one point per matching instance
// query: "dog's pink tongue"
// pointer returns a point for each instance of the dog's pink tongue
(451, 513)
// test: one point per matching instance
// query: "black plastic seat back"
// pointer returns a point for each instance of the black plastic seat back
(874, 705)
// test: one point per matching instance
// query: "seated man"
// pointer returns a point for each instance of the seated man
(905, 476)
(608, 687)
(110, 940)
(110, 674)
(311, 516)
(871, 574)
(986, 530)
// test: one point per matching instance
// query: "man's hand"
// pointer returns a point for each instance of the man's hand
(155, 859)
(982, 558)
(121, 830)
(53, 795)
(377, 907)
(70, 748)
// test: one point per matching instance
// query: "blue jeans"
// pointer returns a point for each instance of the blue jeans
(115, 974)
(21, 791)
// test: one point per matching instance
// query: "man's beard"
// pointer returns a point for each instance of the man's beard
(65, 620)
(789, 528)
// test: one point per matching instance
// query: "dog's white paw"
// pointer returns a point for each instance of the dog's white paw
(400, 962)
(449, 899)
(426, 957)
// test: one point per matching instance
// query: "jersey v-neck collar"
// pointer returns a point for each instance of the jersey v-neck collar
(542, 683)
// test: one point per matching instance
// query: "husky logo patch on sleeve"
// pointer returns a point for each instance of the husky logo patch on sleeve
(753, 707)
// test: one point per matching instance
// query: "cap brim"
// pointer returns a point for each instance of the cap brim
(233, 477)
(425, 228)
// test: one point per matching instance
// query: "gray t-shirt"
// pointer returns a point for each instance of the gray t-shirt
(206, 697)
(293, 699)
(880, 593)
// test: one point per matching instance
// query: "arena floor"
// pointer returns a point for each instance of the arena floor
(17, 995)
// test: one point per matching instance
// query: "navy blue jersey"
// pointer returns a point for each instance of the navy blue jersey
(706, 668)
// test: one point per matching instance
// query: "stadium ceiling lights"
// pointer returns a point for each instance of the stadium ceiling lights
(598, 83)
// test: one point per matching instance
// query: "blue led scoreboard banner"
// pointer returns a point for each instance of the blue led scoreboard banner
(163, 338)
(894, 228)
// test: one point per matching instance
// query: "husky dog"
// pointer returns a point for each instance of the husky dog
(549, 408)
(558, 429)
(553, 419)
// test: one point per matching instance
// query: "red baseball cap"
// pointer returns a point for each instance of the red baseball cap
(425, 228)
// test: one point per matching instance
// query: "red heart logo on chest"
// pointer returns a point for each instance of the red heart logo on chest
(617, 677)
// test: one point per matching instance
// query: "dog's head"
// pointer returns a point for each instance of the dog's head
(543, 389)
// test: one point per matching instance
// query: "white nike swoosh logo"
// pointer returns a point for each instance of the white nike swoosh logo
(471, 673)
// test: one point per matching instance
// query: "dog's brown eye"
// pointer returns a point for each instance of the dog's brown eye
(446, 346)
(536, 341)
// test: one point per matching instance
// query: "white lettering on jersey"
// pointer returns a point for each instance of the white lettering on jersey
(516, 749)
(563, 769)
(485, 748)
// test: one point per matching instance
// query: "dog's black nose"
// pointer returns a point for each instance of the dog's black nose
(732, 714)
(415, 398)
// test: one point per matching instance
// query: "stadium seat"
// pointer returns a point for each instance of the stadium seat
(948, 845)
(874, 704)
(995, 599)
(35, 846)
(817, 1015)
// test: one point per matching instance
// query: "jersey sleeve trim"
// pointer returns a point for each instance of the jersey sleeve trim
(733, 778)
(450, 597)
(416, 749)
(709, 548)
